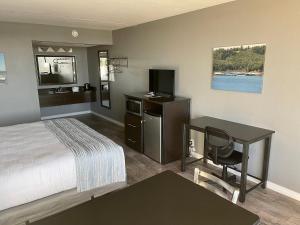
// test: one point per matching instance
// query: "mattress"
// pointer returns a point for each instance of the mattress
(35, 162)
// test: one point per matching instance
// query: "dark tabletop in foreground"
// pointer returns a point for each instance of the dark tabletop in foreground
(165, 199)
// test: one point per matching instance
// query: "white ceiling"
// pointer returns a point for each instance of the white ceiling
(97, 14)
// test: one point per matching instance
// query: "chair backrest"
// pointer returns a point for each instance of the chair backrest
(218, 142)
(232, 190)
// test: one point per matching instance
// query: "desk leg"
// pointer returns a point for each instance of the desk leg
(243, 184)
(205, 153)
(184, 146)
(266, 161)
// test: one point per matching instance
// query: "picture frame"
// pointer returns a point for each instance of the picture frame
(239, 68)
(3, 70)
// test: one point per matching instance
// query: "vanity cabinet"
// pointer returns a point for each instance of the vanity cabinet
(48, 97)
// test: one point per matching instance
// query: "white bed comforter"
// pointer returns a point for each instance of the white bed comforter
(33, 164)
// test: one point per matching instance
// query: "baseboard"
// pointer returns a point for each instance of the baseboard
(80, 113)
(108, 118)
(65, 115)
(272, 186)
(284, 191)
(195, 155)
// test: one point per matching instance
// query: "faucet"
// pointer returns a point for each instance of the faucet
(59, 89)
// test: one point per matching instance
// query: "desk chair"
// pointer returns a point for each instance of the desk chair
(232, 190)
(219, 147)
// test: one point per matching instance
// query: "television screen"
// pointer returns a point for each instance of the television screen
(161, 82)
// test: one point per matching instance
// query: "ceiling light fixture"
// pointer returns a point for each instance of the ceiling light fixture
(40, 49)
(61, 50)
(50, 49)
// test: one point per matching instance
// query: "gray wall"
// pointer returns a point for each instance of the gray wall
(18, 97)
(80, 54)
(186, 41)
(65, 109)
(131, 82)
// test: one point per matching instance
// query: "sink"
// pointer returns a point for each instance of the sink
(62, 92)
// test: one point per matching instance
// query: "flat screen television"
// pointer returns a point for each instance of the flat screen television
(161, 82)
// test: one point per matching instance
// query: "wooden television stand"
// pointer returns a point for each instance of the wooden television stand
(174, 113)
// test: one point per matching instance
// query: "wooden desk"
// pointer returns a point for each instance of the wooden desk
(164, 199)
(243, 134)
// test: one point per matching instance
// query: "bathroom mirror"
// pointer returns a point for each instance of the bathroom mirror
(104, 79)
(56, 70)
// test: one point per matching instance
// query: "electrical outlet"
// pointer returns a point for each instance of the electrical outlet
(192, 145)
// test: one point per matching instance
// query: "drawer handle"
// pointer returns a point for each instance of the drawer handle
(129, 124)
(131, 140)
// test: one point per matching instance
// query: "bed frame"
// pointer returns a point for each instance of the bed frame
(36, 210)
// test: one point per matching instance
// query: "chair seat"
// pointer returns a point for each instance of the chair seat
(235, 158)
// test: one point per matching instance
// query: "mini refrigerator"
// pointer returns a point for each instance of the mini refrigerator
(152, 136)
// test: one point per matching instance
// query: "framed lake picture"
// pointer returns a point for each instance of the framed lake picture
(2, 68)
(239, 68)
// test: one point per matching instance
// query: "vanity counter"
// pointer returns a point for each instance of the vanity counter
(48, 97)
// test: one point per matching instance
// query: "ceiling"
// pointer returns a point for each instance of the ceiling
(97, 14)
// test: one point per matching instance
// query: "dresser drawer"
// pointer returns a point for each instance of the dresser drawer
(133, 120)
(134, 144)
(133, 132)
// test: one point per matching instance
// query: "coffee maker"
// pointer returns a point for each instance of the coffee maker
(87, 86)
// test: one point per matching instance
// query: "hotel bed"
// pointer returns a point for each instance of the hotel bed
(45, 158)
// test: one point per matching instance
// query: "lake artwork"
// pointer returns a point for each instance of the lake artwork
(2, 63)
(2, 68)
(239, 68)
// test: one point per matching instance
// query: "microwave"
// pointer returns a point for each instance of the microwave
(134, 106)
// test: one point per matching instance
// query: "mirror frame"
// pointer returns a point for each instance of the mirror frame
(106, 81)
(73, 65)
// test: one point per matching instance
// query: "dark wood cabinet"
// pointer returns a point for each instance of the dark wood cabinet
(134, 131)
(48, 97)
(174, 112)
(175, 115)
